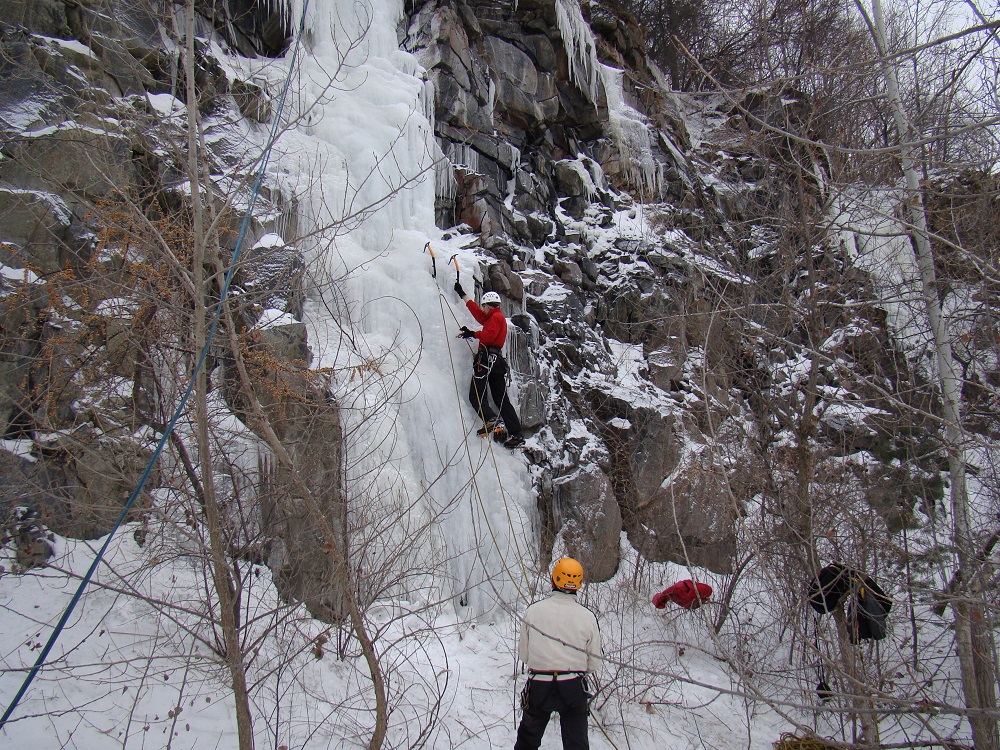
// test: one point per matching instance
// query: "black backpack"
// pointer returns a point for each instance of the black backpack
(868, 608)
(828, 589)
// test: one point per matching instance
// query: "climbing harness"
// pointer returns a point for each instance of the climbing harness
(485, 360)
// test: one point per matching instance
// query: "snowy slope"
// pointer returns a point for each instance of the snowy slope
(140, 673)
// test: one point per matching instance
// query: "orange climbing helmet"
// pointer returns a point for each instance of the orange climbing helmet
(567, 574)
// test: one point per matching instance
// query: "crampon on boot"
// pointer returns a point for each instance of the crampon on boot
(514, 441)
(490, 428)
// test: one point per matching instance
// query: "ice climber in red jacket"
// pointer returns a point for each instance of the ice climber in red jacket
(489, 368)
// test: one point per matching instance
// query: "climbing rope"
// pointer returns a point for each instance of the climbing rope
(475, 485)
(216, 316)
(600, 725)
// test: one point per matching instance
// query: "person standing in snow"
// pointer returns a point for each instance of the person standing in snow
(490, 369)
(560, 642)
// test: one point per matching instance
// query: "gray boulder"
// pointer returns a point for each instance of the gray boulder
(584, 507)
(34, 230)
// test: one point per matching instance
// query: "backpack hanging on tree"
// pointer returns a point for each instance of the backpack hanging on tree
(868, 610)
(828, 589)
(868, 606)
(687, 594)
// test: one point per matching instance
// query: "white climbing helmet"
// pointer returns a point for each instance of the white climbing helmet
(491, 298)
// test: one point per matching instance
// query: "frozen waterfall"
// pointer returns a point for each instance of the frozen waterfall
(360, 157)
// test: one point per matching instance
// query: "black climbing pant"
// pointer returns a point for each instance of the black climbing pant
(568, 698)
(493, 376)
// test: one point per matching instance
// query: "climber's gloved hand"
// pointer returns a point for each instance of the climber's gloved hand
(466, 333)
(459, 291)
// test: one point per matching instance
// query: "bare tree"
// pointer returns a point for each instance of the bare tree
(978, 671)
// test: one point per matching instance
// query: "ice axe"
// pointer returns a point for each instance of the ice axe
(454, 259)
(434, 270)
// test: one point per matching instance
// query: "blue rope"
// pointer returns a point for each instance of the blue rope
(272, 139)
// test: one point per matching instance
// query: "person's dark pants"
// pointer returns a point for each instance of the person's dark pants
(568, 698)
(496, 380)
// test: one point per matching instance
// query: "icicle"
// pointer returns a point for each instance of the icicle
(515, 158)
(513, 165)
(492, 99)
(581, 49)
(596, 173)
(631, 136)
(427, 102)
(445, 185)
(464, 155)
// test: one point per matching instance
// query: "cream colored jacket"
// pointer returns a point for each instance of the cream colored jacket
(558, 634)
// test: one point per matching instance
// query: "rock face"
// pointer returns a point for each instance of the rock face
(585, 508)
(31, 538)
(89, 299)
(629, 364)
(303, 548)
(507, 109)
(525, 116)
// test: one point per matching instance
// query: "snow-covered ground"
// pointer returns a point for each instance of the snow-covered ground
(135, 667)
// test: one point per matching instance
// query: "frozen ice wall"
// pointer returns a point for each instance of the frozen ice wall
(866, 224)
(360, 158)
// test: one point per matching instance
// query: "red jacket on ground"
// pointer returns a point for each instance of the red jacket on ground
(687, 594)
(494, 324)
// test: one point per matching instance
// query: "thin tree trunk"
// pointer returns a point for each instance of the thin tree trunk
(967, 606)
(221, 578)
(857, 686)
